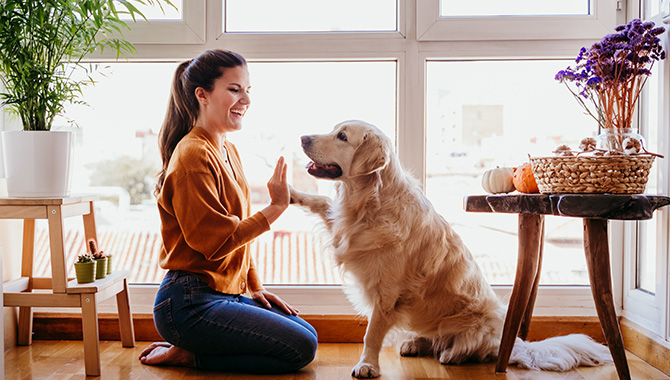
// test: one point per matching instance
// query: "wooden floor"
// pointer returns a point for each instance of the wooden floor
(61, 360)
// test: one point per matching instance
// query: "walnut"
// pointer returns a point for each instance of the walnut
(587, 144)
(563, 150)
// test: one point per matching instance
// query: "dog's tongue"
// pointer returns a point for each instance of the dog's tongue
(328, 171)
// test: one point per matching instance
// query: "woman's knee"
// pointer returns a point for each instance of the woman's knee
(306, 348)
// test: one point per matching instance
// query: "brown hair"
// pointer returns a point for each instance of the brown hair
(183, 106)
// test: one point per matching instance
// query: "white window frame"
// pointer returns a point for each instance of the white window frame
(189, 30)
(411, 47)
(652, 311)
(432, 27)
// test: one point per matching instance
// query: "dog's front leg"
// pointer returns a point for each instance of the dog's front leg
(317, 204)
(378, 325)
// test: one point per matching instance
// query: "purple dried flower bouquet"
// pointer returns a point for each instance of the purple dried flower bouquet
(608, 77)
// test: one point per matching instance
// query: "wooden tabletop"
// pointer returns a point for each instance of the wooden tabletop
(597, 206)
(75, 198)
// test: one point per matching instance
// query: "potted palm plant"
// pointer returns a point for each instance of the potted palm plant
(42, 42)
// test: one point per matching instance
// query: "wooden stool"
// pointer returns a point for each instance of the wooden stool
(57, 291)
(595, 210)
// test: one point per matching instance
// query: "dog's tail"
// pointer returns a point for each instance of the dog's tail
(560, 353)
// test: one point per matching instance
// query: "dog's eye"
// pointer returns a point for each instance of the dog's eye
(342, 136)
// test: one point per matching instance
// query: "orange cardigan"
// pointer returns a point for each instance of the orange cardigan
(205, 221)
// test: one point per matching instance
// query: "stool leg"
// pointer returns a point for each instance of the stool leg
(57, 246)
(598, 262)
(25, 322)
(125, 317)
(91, 334)
(525, 322)
(530, 228)
(25, 331)
(90, 231)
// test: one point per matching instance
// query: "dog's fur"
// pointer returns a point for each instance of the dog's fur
(409, 269)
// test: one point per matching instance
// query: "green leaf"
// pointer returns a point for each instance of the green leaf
(43, 41)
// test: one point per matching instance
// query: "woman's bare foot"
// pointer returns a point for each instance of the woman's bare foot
(162, 353)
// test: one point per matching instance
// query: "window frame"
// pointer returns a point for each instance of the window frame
(219, 9)
(652, 311)
(189, 30)
(432, 27)
(411, 47)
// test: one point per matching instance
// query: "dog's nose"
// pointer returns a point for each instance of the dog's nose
(306, 141)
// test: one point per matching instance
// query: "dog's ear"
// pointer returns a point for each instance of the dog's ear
(370, 156)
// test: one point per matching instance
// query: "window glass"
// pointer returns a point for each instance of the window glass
(116, 157)
(310, 16)
(649, 127)
(154, 12)
(483, 114)
(450, 8)
(294, 99)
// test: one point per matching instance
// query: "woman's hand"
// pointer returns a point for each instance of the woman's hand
(266, 299)
(280, 196)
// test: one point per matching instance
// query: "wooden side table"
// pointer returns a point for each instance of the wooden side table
(595, 210)
(57, 291)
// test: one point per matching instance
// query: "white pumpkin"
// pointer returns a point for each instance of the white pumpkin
(498, 180)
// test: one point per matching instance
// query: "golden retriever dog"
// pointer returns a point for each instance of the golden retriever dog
(409, 270)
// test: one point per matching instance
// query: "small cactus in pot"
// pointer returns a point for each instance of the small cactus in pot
(99, 257)
(85, 268)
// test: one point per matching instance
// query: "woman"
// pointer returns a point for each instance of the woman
(206, 226)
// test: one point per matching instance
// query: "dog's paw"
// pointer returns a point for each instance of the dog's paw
(416, 347)
(409, 348)
(364, 371)
(296, 196)
(450, 357)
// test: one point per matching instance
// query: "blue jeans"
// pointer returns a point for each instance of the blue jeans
(229, 332)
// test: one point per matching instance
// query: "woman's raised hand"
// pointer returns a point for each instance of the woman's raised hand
(279, 192)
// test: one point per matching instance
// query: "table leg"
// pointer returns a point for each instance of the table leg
(525, 322)
(598, 262)
(530, 236)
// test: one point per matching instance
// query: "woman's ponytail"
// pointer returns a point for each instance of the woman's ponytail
(179, 119)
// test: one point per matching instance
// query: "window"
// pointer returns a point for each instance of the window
(453, 20)
(646, 286)
(290, 99)
(155, 13)
(182, 24)
(451, 8)
(310, 16)
(117, 157)
(309, 75)
(483, 114)
(647, 247)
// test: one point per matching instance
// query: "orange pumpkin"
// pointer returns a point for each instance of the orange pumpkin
(523, 179)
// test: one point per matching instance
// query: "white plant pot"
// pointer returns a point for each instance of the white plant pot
(38, 163)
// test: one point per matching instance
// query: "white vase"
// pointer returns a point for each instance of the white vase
(38, 163)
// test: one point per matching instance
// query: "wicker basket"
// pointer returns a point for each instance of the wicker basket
(592, 174)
